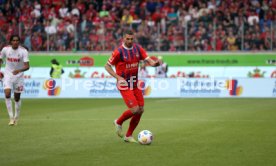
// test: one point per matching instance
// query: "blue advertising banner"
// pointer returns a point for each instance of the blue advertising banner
(151, 88)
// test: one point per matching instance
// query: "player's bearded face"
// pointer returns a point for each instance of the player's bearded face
(15, 43)
(128, 40)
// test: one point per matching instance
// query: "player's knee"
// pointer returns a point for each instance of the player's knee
(135, 110)
(141, 110)
(7, 93)
(7, 96)
(16, 99)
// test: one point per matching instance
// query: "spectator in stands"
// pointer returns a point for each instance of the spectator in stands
(231, 42)
(104, 12)
(162, 69)
(63, 11)
(207, 21)
(126, 18)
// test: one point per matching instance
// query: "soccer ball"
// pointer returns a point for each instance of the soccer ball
(145, 137)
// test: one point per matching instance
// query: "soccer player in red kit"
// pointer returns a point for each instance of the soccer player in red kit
(126, 61)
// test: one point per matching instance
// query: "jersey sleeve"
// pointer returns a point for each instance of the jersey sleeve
(3, 53)
(25, 56)
(143, 53)
(114, 58)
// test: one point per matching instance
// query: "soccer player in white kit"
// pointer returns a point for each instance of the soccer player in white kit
(17, 61)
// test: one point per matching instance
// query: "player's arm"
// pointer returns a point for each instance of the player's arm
(1, 74)
(110, 70)
(25, 68)
(113, 60)
(2, 54)
(150, 61)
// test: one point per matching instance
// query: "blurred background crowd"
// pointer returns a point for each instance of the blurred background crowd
(160, 25)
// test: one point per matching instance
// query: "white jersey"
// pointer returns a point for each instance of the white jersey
(14, 60)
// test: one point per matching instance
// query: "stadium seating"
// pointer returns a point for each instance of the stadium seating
(173, 25)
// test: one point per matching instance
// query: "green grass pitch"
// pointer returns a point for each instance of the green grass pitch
(187, 132)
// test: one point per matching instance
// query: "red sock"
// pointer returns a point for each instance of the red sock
(133, 124)
(125, 116)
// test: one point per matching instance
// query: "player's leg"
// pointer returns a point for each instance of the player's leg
(132, 125)
(132, 105)
(17, 106)
(9, 105)
(137, 116)
(134, 122)
(7, 84)
(17, 101)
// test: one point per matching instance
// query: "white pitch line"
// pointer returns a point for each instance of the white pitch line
(167, 119)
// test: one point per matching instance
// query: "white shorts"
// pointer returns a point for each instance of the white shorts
(14, 83)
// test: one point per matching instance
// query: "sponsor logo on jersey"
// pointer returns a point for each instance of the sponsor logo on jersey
(13, 59)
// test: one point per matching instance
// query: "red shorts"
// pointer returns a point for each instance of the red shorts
(133, 97)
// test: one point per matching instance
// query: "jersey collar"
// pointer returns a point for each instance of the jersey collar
(126, 47)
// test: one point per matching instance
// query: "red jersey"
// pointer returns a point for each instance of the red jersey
(126, 62)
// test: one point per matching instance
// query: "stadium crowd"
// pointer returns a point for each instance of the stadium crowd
(160, 25)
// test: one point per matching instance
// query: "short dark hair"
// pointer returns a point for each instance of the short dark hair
(128, 32)
(54, 61)
(13, 36)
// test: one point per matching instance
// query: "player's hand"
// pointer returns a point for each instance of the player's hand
(121, 81)
(15, 72)
(157, 63)
(153, 61)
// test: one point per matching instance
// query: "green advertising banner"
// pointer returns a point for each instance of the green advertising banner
(89, 60)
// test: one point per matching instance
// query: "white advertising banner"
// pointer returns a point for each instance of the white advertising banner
(152, 88)
(173, 72)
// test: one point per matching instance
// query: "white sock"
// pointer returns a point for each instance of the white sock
(9, 107)
(17, 109)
